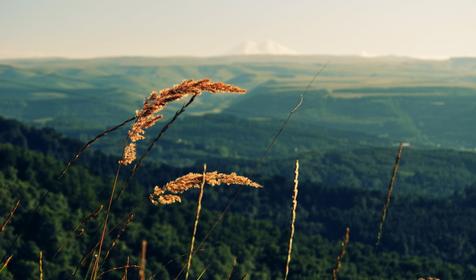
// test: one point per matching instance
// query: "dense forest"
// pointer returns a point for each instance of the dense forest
(429, 232)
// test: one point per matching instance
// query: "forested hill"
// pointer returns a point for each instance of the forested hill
(424, 235)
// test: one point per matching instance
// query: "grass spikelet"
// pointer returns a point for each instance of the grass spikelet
(148, 115)
(40, 265)
(197, 218)
(293, 219)
(390, 187)
(9, 217)
(5, 264)
(142, 263)
(129, 154)
(343, 249)
(168, 193)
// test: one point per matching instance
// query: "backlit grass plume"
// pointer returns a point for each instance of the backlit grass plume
(148, 115)
(169, 193)
(293, 219)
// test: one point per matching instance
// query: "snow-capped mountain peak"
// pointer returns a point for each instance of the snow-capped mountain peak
(262, 48)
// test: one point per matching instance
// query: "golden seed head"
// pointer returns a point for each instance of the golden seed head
(193, 180)
(129, 154)
(148, 115)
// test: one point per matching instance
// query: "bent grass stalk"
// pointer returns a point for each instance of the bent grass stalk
(9, 217)
(293, 110)
(390, 187)
(293, 219)
(90, 142)
(343, 249)
(195, 224)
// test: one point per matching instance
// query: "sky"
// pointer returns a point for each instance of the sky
(96, 28)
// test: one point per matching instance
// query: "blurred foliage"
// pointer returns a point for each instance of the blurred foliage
(430, 232)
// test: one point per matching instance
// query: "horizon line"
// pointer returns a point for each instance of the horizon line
(442, 58)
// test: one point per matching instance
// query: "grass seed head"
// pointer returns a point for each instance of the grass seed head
(168, 193)
(148, 115)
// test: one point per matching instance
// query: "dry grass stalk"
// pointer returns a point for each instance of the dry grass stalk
(79, 230)
(428, 278)
(90, 142)
(124, 276)
(168, 193)
(104, 228)
(125, 224)
(202, 274)
(343, 249)
(82, 262)
(5, 264)
(9, 217)
(293, 110)
(230, 275)
(283, 126)
(148, 115)
(293, 219)
(197, 218)
(40, 265)
(388, 197)
(142, 260)
(125, 268)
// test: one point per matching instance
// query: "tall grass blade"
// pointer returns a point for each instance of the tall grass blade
(195, 225)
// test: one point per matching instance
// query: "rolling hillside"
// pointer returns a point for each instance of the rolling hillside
(428, 103)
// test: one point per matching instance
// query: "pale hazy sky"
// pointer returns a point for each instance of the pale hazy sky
(89, 28)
